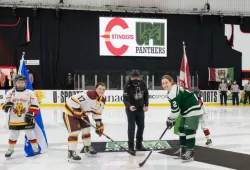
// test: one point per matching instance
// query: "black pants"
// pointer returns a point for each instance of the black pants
(135, 117)
(223, 94)
(247, 95)
(235, 97)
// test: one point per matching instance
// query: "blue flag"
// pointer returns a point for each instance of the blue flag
(39, 128)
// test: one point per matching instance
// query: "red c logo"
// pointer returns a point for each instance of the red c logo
(114, 22)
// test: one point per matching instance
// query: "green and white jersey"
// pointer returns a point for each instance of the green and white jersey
(184, 102)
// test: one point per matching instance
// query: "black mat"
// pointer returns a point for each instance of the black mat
(101, 146)
(208, 155)
(217, 157)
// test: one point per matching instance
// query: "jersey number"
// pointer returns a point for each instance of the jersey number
(81, 99)
(174, 104)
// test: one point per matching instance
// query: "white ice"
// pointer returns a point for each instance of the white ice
(229, 127)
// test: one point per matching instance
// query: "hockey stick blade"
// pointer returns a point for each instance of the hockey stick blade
(131, 153)
(143, 162)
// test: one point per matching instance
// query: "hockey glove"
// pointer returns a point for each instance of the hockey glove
(8, 106)
(170, 123)
(99, 128)
(77, 114)
(29, 116)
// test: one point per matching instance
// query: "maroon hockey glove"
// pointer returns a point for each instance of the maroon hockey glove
(99, 129)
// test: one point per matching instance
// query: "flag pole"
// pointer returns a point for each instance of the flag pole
(21, 63)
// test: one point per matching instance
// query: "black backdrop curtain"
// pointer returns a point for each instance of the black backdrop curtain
(71, 42)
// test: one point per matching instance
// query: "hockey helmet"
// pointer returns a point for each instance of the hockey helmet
(20, 78)
(197, 92)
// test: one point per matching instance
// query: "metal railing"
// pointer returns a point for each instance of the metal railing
(115, 80)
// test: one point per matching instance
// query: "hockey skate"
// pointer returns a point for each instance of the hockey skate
(188, 156)
(89, 150)
(209, 142)
(73, 156)
(180, 152)
(9, 153)
(36, 152)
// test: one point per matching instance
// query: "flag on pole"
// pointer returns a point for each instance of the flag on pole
(39, 128)
(216, 74)
(184, 80)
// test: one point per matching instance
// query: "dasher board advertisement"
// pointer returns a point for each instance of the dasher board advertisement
(133, 37)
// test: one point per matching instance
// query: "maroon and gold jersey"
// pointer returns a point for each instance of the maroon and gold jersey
(85, 103)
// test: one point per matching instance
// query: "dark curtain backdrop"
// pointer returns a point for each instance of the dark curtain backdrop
(71, 42)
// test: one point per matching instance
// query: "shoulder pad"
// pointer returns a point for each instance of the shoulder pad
(92, 94)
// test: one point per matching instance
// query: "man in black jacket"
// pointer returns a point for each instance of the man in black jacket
(135, 98)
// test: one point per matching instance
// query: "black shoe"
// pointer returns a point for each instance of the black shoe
(140, 147)
(132, 151)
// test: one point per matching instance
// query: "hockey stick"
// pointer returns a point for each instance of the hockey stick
(108, 137)
(134, 166)
(142, 163)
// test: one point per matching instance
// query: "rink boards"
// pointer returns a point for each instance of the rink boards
(52, 98)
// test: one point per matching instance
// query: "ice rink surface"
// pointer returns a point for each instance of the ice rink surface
(229, 127)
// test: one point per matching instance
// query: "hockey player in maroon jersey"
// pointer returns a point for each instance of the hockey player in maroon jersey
(78, 107)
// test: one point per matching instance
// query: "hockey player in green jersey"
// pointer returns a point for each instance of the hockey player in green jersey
(185, 103)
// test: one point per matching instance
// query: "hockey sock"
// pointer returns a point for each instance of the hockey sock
(182, 137)
(86, 138)
(207, 133)
(34, 144)
(72, 141)
(190, 136)
(12, 144)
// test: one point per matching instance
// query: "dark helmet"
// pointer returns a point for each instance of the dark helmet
(20, 78)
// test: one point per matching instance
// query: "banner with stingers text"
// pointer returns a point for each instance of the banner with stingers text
(133, 37)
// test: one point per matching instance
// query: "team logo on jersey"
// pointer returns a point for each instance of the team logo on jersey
(138, 95)
(19, 110)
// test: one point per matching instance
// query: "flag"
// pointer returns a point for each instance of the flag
(216, 74)
(39, 128)
(184, 80)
